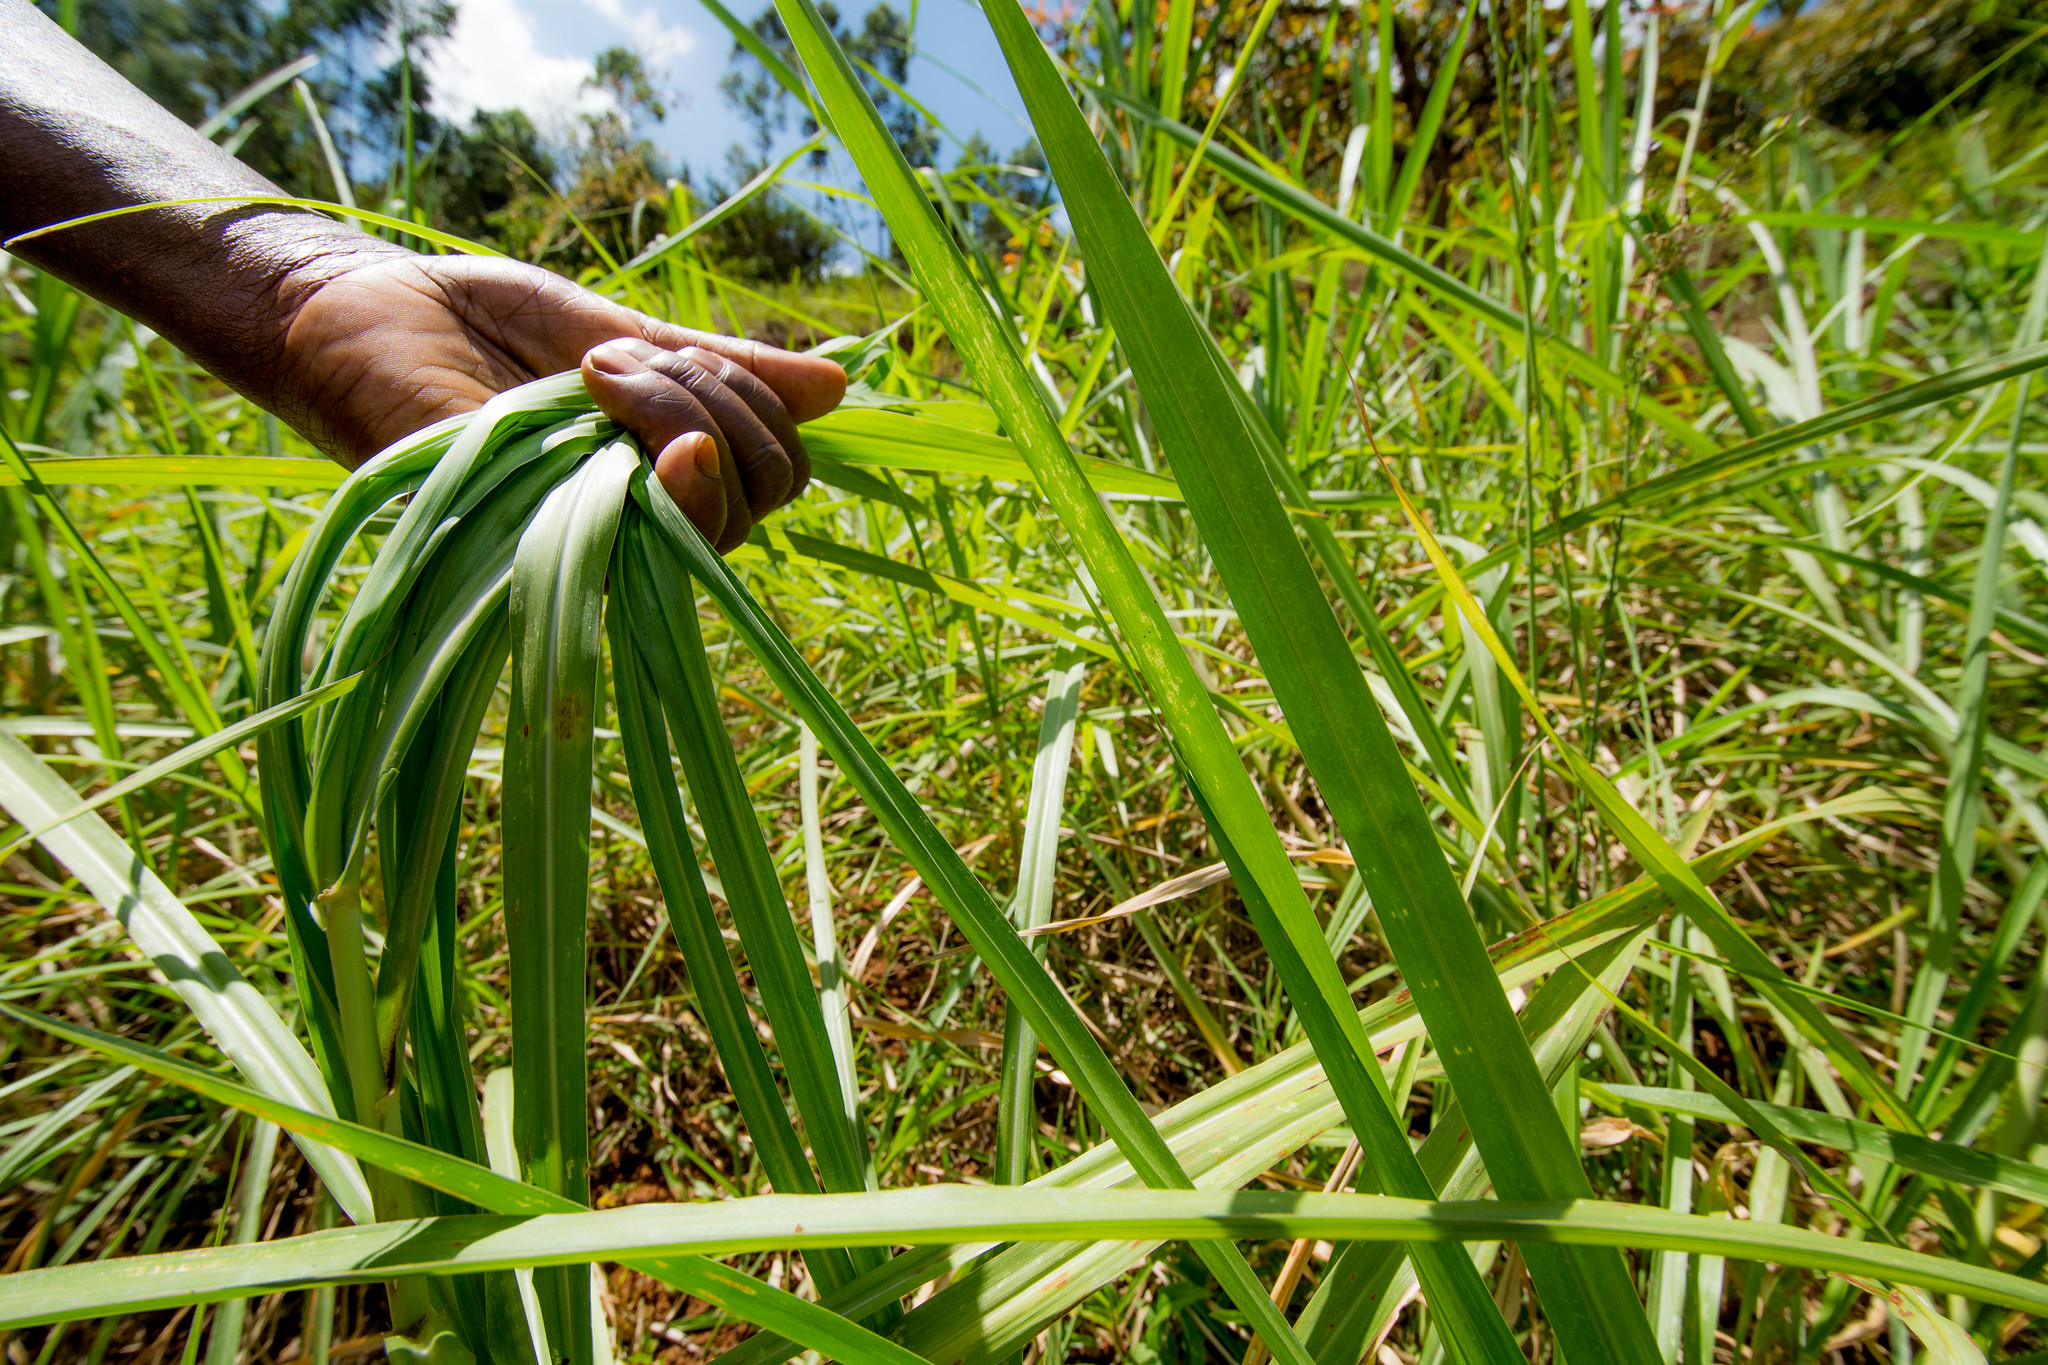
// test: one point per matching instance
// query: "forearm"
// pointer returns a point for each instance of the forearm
(219, 281)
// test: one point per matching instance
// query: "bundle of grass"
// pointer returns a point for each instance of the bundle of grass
(534, 532)
(518, 517)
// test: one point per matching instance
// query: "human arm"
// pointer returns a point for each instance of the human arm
(355, 341)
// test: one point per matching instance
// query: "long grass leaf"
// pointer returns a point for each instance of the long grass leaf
(776, 1310)
(1349, 747)
(557, 632)
(1037, 864)
(241, 1021)
(186, 755)
(945, 1213)
(175, 471)
(1008, 956)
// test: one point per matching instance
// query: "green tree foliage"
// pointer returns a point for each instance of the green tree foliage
(771, 238)
(768, 238)
(567, 204)
(882, 50)
(623, 72)
(489, 179)
(613, 191)
(1877, 65)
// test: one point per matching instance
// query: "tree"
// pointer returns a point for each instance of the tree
(881, 51)
(623, 72)
(1878, 65)
(488, 181)
(768, 238)
(616, 176)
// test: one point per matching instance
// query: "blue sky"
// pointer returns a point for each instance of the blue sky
(534, 54)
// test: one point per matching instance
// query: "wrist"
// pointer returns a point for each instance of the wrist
(221, 282)
(278, 262)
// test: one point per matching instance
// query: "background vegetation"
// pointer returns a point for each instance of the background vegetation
(1818, 668)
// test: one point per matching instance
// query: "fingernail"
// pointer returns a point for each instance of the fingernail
(706, 456)
(615, 357)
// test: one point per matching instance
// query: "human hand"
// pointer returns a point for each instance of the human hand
(355, 341)
(382, 348)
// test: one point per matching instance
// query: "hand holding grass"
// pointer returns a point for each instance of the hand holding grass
(399, 341)
(355, 341)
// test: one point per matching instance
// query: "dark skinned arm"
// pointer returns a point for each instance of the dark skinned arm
(354, 341)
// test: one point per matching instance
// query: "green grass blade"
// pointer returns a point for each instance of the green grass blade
(180, 471)
(745, 1297)
(1421, 719)
(230, 108)
(1037, 862)
(1962, 801)
(557, 607)
(183, 687)
(897, 188)
(455, 595)
(878, 438)
(447, 239)
(1907, 398)
(644, 735)
(224, 1339)
(282, 754)
(1927, 1156)
(965, 899)
(943, 1213)
(2020, 910)
(1358, 769)
(480, 456)
(743, 34)
(240, 1020)
(1427, 127)
(763, 181)
(417, 826)
(1367, 1282)
(825, 950)
(666, 635)
(198, 749)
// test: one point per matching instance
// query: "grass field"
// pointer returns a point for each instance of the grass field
(1521, 702)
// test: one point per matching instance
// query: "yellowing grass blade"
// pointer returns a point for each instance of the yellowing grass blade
(1654, 853)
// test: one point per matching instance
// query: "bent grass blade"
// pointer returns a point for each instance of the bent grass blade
(775, 1310)
(240, 1020)
(1350, 749)
(942, 1213)
(557, 606)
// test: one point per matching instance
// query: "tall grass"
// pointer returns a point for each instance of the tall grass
(1449, 773)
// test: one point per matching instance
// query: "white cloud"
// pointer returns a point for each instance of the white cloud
(493, 61)
(646, 33)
